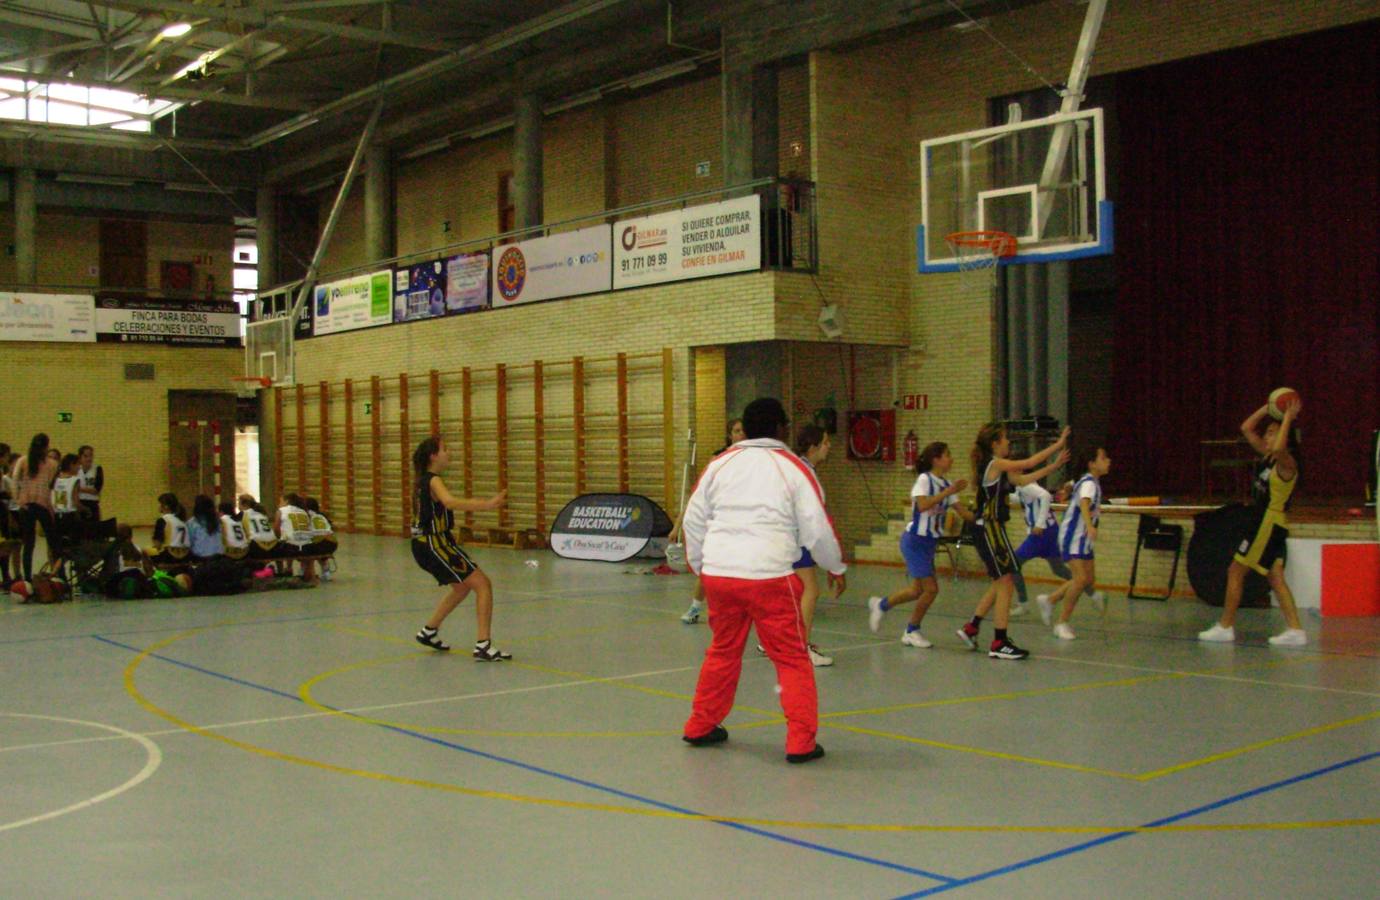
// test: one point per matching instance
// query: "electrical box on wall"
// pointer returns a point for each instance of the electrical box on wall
(872, 434)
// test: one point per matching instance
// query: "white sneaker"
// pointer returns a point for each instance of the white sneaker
(1042, 601)
(819, 660)
(1218, 635)
(1063, 632)
(692, 615)
(1018, 610)
(875, 612)
(762, 650)
(1099, 601)
(915, 639)
(1290, 637)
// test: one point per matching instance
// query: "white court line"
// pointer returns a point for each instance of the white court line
(154, 759)
(360, 709)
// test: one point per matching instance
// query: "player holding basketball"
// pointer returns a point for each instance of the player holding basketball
(1277, 475)
(996, 474)
(436, 550)
(931, 497)
(753, 510)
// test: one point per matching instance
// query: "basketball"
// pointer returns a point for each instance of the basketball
(184, 583)
(1280, 398)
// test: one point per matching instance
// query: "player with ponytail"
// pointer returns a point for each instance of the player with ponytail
(436, 550)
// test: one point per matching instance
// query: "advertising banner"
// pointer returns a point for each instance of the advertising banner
(609, 527)
(352, 303)
(419, 292)
(562, 265)
(145, 320)
(713, 239)
(467, 282)
(47, 317)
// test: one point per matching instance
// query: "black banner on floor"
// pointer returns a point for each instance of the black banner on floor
(610, 527)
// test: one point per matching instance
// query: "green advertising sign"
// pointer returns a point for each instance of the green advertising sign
(381, 295)
(64, 418)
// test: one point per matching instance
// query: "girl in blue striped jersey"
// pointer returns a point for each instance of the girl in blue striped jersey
(1077, 534)
(931, 498)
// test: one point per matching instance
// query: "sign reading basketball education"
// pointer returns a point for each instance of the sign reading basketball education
(47, 317)
(609, 527)
(562, 265)
(713, 239)
(145, 320)
(352, 303)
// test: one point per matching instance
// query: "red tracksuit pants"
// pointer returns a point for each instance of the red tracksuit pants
(773, 605)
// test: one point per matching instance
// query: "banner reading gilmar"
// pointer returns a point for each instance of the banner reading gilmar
(713, 239)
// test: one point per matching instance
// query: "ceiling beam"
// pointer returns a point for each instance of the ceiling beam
(509, 37)
(259, 18)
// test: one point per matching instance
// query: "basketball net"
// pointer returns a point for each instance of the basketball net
(979, 252)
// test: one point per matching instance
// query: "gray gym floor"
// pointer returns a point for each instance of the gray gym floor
(299, 744)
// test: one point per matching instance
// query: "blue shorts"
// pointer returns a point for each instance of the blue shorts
(918, 553)
(806, 561)
(1088, 555)
(1039, 546)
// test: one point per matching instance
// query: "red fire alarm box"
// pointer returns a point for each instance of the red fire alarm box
(872, 434)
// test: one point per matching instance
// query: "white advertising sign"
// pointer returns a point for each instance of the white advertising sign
(562, 265)
(713, 239)
(360, 302)
(48, 317)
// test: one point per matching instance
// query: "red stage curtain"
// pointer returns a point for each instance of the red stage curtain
(1248, 229)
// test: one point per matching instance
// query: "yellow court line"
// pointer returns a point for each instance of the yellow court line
(983, 698)
(1258, 745)
(132, 688)
(978, 751)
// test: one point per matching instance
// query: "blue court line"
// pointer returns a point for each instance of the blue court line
(560, 776)
(1167, 820)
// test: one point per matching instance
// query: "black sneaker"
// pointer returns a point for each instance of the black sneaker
(427, 637)
(968, 635)
(716, 735)
(1006, 650)
(797, 758)
(484, 651)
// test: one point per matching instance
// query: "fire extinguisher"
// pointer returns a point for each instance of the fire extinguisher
(910, 449)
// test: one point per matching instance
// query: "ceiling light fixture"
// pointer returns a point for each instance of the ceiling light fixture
(175, 30)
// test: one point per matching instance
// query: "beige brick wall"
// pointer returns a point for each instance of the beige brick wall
(126, 421)
(69, 250)
(657, 139)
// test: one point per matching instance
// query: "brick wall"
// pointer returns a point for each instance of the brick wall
(126, 421)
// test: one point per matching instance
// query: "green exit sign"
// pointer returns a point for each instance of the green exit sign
(64, 418)
(368, 408)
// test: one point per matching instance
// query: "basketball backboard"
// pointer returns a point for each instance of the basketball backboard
(1043, 181)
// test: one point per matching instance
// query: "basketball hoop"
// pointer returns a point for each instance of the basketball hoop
(249, 385)
(981, 251)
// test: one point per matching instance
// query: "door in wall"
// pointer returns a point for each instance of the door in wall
(201, 445)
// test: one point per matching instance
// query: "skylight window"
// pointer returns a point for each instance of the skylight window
(76, 104)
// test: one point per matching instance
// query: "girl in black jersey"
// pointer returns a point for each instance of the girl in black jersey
(996, 477)
(436, 550)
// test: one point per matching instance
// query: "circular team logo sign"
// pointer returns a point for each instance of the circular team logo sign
(629, 237)
(512, 273)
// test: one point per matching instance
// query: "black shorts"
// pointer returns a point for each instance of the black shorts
(994, 548)
(442, 557)
(1266, 544)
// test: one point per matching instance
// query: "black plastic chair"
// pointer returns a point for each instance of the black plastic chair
(951, 544)
(1153, 534)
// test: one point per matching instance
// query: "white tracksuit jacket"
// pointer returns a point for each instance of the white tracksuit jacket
(753, 509)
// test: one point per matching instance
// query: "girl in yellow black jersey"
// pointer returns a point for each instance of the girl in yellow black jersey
(436, 550)
(1277, 475)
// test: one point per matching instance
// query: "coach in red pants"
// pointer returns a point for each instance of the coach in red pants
(753, 510)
